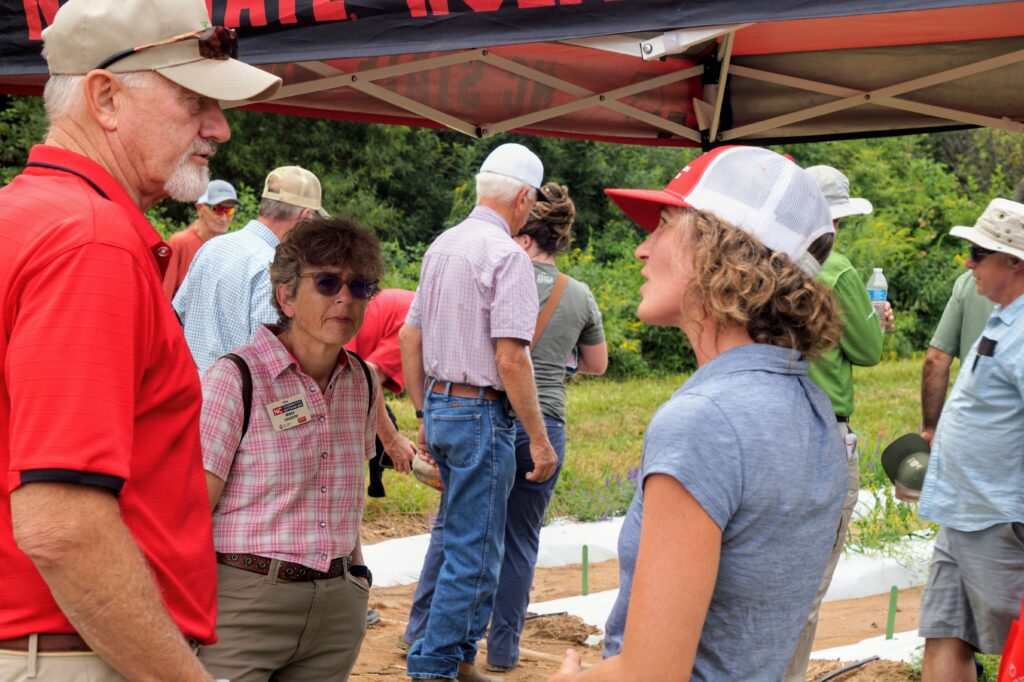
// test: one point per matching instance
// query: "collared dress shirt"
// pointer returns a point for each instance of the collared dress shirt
(976, 471)
(295, 495)
(226, 295)
(476, 286)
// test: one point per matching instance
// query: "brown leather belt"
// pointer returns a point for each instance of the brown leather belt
(286, 570)
(466, 391)
(48, 643)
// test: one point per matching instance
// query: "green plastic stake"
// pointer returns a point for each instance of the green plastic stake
(586, 571)
(891, 624)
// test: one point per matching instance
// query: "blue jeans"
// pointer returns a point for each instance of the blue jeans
(527, 505)
(473, 442)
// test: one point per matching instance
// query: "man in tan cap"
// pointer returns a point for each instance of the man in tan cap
(976, 470)
(105, 534)
(226, 295)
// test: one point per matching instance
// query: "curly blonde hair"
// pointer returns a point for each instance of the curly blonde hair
(738, 280)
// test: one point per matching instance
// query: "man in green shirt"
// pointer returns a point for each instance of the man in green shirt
(960, 325)
(861, 345)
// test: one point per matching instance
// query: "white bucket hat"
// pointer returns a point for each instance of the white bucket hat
(836, 188)
(152, 35)
(1000, 228)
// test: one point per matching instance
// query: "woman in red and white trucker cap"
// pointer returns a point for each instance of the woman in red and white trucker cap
(743, 475)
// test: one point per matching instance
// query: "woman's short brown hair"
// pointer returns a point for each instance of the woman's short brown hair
(326, 243)
(738, 280)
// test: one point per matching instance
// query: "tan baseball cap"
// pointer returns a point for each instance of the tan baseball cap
(296, 186)
(1000, 228)
(85, 33)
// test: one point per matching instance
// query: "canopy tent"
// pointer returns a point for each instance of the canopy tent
(681, 72)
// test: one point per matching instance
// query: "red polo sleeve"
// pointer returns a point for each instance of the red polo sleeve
(80, 327)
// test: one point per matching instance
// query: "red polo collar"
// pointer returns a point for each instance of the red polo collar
(49, 160)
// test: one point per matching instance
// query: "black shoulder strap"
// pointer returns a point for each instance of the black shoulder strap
(369, 382)
(243, 370)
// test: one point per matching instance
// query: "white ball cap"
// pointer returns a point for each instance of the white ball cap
(515, 161)
(217, 192)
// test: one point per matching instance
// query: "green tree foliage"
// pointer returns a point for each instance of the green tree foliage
(917, 198)
(410, 184)
(22, 124)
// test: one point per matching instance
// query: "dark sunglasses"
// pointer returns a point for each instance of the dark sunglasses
(216, 42)
(978, 253)
(329, 284)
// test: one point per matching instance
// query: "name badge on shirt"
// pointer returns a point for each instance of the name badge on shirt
(289, 413)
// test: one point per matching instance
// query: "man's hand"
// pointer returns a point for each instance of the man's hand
(544, 461)
(888, 319)
(425, 456)
(927, 435)
(572, 664)
(905, 494)
(421, 442)
(401, 450)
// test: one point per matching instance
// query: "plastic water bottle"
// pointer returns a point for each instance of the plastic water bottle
(878, 290)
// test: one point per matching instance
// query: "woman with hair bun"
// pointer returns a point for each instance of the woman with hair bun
(743, 474)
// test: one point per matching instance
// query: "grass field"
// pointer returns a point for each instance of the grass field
(606, 423)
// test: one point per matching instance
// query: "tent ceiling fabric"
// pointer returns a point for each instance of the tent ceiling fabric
(652, 72)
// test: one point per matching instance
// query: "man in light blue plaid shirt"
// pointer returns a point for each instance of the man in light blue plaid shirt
(226, 295)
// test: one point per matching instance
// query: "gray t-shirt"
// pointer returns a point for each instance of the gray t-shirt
(576, 320)
(754, 440)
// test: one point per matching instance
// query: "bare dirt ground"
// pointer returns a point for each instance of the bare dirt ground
(546, 639)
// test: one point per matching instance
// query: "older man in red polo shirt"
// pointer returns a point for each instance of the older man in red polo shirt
(105, 538)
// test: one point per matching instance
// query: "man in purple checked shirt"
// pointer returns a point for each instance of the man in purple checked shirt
(466, 360)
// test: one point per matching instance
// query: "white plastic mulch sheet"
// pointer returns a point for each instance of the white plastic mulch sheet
(398, 562)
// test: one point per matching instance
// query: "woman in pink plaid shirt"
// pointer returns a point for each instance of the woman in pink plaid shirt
(287, 491)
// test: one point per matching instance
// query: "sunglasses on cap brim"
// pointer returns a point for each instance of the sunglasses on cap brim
(216, 42)
(330, 283)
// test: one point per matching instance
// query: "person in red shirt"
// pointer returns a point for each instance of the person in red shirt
(215, 210)
(105, 532)
(377, 343)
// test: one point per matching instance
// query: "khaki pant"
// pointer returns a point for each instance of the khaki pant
(18, 666)
(306, 631)
(796, 671)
